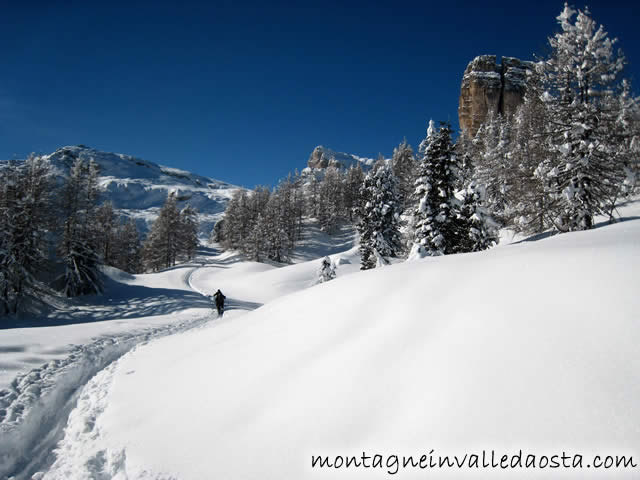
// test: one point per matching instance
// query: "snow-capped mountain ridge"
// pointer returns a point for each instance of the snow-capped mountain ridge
(138, 188)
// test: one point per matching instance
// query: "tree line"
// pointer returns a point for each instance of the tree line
(568, 154)
(265, 224)
(54, 237)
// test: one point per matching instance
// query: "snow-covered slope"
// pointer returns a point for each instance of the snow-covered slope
(531, 346)
(45, 361)
(138, 188)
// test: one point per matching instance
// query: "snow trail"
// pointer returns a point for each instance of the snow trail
(84, 428)
(34, 409)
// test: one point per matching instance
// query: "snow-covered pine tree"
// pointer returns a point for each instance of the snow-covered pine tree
(275, 225)
(351, 194)
(404, 166)
(493, 166)
(580, 77)
(327, 270)
(626, 144)
(467, 150)
(479, 230)
(79, 247)
(254, 245)
(437, 223)
(532, 199)
(378, 218)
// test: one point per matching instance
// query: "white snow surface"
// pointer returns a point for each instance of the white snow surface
(530, 345)
(44, 362)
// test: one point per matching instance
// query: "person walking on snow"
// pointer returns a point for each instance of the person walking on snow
(219, 299)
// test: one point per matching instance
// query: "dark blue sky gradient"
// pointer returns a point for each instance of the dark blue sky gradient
(243, 92)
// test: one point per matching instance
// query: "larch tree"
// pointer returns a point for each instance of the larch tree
(79, 246)
(404, 166)
(162, 243)
(581, 76)
(26, 218)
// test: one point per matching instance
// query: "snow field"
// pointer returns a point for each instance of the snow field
(528, 346)
(531, 346)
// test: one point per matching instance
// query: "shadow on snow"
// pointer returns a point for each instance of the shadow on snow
(120, 301)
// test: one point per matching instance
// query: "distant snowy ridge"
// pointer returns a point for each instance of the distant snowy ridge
(138, 188)
(323, 157)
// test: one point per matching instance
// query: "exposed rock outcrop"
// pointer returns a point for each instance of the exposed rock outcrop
(322, 157)
(489, 87)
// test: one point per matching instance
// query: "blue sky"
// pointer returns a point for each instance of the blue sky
(243, 91)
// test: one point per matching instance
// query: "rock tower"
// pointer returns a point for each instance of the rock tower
(489, 87)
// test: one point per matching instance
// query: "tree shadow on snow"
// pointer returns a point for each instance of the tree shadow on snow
(550, 233)
(119, 302)
(235, 304)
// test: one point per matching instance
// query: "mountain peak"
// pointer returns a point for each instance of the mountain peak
(323, 157)
(138, 188)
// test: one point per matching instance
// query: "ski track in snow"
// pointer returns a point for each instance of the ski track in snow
(93, 459)
(35, 408)
(50, 415)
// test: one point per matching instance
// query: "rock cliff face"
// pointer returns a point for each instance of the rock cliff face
(489, 87)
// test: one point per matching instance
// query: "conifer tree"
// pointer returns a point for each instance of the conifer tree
(128, 248)
(479, 230)
(329, 200)
(188, 232)
(275, 225)
(26, 218)
(494, 168)
(160, 249)
(580, 77)
(534, 203)
(437, 224)
(404, 168)
(79, 246)
(378, 218)
(290, 208)
(236, 220)
(352, 185)
(105, 231)
(327, 270)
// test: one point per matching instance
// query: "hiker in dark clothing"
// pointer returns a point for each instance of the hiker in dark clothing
(219, 299)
